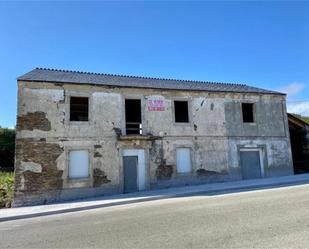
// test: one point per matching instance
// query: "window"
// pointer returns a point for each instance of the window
(133, 116)
(183, 160)
(78, 164)
(79, 108)
(181, 111)
(248, 112)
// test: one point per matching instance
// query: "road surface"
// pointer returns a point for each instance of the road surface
(262, 219)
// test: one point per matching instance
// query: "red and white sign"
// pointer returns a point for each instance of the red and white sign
(156, 105)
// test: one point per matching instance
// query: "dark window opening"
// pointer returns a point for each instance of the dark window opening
(248, 112)
(79, 108)
(133, 116)
(181, 111)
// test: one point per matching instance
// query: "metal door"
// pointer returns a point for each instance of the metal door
(183, 160)
(130, 173)
(250, 164)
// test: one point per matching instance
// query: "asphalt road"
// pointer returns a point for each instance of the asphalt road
(262, 219)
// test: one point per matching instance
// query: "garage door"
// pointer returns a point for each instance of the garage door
(250, 164)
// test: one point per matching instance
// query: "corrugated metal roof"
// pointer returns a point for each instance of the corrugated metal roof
(75, 77)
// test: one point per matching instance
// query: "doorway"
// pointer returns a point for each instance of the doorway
(183, 160)
(134, 170)
(130, 174)
(251, 162)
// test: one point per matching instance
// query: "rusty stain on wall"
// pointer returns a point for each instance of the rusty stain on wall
(97, 154)
(99, 178)
(164, 172)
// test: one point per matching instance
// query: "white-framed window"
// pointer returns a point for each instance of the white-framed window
(183, 160)
(78, 164)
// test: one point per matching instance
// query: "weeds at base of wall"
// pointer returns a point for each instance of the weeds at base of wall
(6, 189)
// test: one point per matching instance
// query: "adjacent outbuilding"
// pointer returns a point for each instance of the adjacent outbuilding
(299, 136)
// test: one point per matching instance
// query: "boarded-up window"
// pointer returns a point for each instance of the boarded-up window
(79, 108)
(248, 112)
(183, 160)
(181, 111)
(78, 164)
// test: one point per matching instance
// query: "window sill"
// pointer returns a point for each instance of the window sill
(178, 174)
(249, 123)
(77, 183)
(79, 179)
(73, 123)
(136, 137)
(182, 124)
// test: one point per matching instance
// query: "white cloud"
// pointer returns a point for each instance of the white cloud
(292, 89)
(301, 108)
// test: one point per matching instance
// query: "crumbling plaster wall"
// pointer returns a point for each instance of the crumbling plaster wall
(214, 134)
(270, 116)
(276, 154)
(209, 159)
(43, 122)
(269, 132)
(206, 115)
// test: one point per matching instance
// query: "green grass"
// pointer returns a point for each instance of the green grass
(6, 189)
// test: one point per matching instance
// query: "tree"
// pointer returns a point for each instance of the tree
(7, 148)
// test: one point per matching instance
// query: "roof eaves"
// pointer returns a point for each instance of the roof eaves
(162, 88)
(25, 77)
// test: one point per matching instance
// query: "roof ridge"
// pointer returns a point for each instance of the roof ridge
(142, 77)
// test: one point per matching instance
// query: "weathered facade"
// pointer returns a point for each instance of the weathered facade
(100, 153)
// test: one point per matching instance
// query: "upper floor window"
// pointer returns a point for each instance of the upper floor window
(181, 111)
(248, 112)
(133, 113)
(79, 109)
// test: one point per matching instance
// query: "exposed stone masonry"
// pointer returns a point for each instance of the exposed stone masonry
(99, 178)
(44, 154)
(164, 172)
(33, 120)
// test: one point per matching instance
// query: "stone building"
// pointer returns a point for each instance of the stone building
(86, 134)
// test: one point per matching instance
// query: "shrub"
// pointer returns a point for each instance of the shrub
(6, 189)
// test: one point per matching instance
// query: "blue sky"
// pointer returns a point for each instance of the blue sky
(264, 44)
